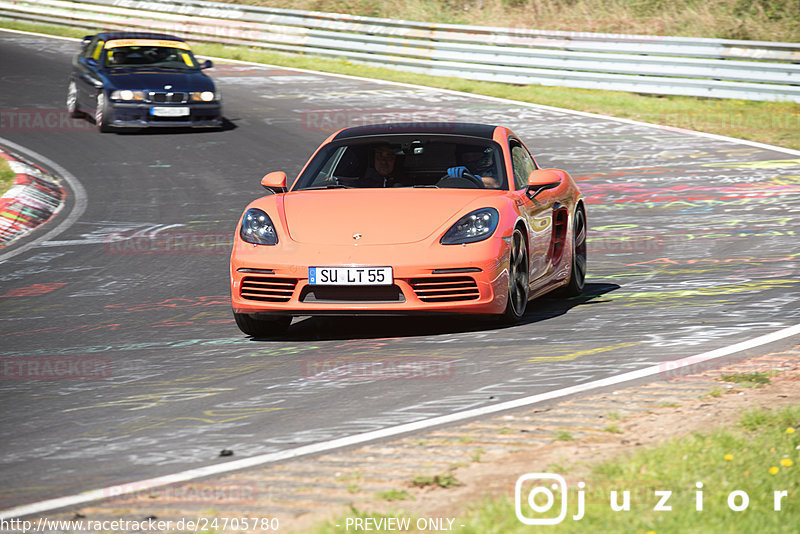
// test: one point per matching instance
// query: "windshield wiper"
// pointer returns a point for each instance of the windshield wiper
(328, 186)
(147, 67)
(170, 67)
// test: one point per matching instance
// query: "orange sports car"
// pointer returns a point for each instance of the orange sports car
(408, 219)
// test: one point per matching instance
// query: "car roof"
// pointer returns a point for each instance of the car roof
(467, 129)
(138, 35)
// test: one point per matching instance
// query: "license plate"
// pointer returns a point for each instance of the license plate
(173, 111)
(350, 276)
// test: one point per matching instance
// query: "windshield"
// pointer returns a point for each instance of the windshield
(150, 56)
(406, 161)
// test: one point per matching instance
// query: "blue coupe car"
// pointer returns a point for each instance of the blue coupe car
(126, 79)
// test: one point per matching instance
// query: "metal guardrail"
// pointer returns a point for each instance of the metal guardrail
(716, 68)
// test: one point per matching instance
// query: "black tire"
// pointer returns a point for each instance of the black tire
(274, 326)
(518, 281)
(577, 272)
(72, 100)
(101, 113)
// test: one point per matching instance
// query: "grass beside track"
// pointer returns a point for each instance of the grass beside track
(775, 123)
(760, 20)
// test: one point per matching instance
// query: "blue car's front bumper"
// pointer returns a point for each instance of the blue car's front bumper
(141, 114)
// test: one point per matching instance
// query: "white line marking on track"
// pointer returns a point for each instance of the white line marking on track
(359, 439)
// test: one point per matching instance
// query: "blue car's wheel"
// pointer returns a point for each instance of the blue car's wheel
(101, 113)
(72, 100)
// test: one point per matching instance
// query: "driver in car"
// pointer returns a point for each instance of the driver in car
(479, 162)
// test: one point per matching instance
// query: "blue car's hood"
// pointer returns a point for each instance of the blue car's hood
(154, 79)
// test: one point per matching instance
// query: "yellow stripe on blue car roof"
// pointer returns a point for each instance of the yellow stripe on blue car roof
(116, 43)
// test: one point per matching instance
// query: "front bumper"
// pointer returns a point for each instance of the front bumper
(139, 115)
(472, 279)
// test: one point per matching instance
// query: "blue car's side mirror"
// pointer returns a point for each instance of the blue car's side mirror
(207, 64)
(92, 62)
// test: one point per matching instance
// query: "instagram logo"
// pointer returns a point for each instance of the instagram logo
(536, 496)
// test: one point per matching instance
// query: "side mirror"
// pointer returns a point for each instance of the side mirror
(92, 62)
(207, 64)
(543, 179)
(275, 181)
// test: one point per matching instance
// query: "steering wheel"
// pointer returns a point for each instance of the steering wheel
(457, 177)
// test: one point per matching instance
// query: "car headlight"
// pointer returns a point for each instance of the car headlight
(257, 228)
(127, 95)
(474, 226)
(202, 96)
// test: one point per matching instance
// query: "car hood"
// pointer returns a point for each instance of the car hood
(378, 216)
(156, 79)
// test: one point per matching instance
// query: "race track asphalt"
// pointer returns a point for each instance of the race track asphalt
(692, 247)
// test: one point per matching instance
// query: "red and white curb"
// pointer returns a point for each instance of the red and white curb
(35, 198)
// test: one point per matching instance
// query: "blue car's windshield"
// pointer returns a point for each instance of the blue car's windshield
(150, 56)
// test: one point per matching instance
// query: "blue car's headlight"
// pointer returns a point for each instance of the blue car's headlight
(475, 226)
(257, 228)
(127, 95)
(203, 96)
